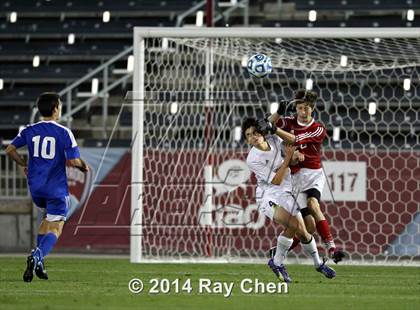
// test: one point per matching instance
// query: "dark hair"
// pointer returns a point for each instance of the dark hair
(247, 123)
(306, 96)
(47, 102)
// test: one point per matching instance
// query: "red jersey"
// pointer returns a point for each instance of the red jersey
(309, 138)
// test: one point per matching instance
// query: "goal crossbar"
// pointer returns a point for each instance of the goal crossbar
(246, 32)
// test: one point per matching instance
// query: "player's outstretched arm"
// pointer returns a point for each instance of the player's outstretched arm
(267, 127)
(13, 154)
(273, 118)
(286, 136)
(281, 172)
(79, 164)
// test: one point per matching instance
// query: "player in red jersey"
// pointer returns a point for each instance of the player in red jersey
(307, 135)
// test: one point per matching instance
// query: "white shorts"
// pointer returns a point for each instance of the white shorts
(284, 200)
(308, 178)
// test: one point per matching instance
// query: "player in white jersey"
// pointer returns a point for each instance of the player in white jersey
(274, 196)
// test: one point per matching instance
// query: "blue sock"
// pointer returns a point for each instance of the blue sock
(39, 238)
(37, 254)
(47, 243)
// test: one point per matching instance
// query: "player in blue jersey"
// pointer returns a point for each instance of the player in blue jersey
(50, 145)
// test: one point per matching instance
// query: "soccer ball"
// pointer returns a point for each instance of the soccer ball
(259, 65)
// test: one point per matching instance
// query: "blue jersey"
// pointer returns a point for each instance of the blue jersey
(49, 146)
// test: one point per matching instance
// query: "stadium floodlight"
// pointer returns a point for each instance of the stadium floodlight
(227, 4)
(35, 61)
(309, 84)
(13, 17)
(1, 84)
(336, 134)
(407, 84)
(410, 15)
(343, 60)
(274, 107)
(106, 16)
(312, 15)
(94, 86)
(71, 38)
(165, 43)
(174, 107)
(244, 61)
(199, 211)
(199, 19)
(130, 63)
(372, 108)
(237, 133)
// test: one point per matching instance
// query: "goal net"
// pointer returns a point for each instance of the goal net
(193, 196)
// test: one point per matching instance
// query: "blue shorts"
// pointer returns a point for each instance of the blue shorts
(56, 208)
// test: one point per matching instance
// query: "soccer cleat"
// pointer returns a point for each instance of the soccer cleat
(40, 270)
(28, 275)
(279, 271)
(327, 271)
(337, 255)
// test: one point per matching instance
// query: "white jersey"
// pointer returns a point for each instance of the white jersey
(265, 165)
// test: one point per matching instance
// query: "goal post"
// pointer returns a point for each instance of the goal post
(136, 214)
(192, 196)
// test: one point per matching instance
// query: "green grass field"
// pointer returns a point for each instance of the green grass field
(77, 283)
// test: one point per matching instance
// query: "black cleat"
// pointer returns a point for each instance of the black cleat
(40, 271)
(28, 275)
(338, 255)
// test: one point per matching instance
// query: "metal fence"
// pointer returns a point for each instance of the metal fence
(13, 183)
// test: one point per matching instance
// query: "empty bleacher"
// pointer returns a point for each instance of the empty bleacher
(42, 28)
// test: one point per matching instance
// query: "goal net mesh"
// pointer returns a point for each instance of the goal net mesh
(198, 195)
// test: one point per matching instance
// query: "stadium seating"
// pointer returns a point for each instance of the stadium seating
(89, 8)
(355, 5)
(42, 28)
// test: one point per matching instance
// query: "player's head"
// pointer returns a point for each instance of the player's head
(305, 104)
(49, 105)
(250, 132)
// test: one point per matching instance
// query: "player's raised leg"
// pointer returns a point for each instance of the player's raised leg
(42, 226)
(51, 226)
(322, 225)
(295, 225)
(309, 224)
(31, 260)
(276, 263)
(309, 247)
